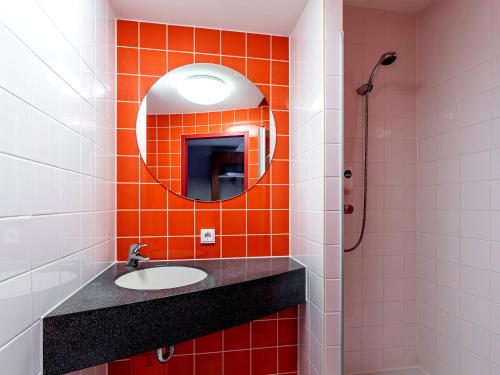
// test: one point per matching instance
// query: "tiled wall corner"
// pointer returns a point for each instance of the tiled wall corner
(307, 177)
(57, 157)
(333, 216)
(316, 186)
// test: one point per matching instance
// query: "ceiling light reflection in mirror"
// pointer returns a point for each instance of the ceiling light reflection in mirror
(204, 90)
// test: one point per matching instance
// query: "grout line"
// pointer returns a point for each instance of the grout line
(138, 159)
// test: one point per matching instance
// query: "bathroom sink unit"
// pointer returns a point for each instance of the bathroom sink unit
(104, 322)
(163, 277)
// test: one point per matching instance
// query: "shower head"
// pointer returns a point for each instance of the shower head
(386, 59)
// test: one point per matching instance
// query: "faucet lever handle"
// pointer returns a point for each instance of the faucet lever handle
(135, 248)
(134, 255)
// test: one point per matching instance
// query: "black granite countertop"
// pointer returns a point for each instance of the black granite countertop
(104, 322)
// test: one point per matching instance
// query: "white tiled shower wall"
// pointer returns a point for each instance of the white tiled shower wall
(381, 275)
(459, 187)
(316, 193)
(307, 225)
(57, 163)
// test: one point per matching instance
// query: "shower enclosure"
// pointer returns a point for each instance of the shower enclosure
(421, 292)
(380, 284)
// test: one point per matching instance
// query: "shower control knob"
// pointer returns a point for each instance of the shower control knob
(348, 209)
(348, 179)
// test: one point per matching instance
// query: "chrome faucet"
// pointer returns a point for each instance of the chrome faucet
(134, 255)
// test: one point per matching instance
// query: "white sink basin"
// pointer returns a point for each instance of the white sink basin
(155, 278)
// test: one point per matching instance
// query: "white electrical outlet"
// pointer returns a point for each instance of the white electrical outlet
(207, 236)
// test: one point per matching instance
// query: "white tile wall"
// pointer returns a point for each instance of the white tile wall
(316, 186)
(307, 177)
(458, 173)
(334, 164)
(380, 276)
(57, 147)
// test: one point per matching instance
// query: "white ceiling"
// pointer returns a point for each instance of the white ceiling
(410, 6)
(276, 17)
(164, 98)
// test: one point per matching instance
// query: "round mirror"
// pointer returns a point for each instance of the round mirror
(206, 132)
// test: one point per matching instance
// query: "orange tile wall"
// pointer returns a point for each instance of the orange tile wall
(253, 224)
(164, 139)
(262, 347)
